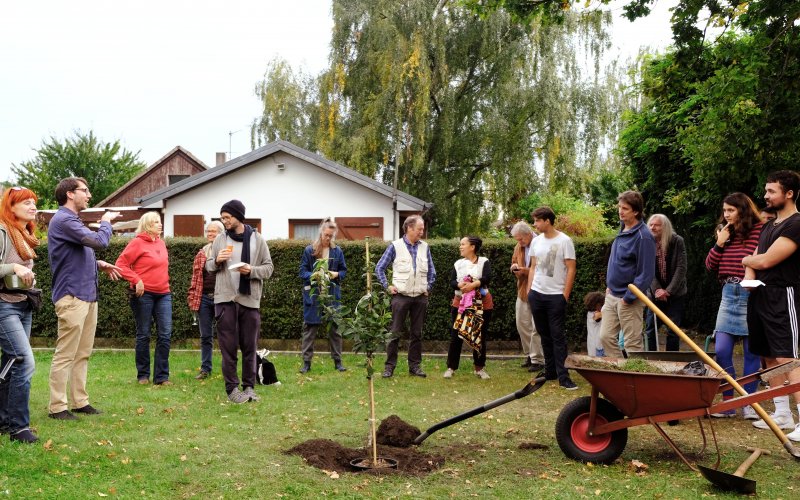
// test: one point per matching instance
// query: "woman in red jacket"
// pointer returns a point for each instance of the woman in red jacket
(144, 263)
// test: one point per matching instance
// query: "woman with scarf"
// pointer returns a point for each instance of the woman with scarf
(17, 245)
(201, 298)
(470, 278)
(145, 265)
(736, 237)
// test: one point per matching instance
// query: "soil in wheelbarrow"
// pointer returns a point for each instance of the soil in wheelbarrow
(394, 437)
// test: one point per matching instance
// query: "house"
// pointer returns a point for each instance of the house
(287, 190)
(175, 166)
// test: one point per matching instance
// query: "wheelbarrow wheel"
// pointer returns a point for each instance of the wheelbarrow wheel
(573, 437)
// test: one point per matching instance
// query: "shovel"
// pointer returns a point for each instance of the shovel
(8, 366)
(735, 481)
(710, 362)
(531, 387)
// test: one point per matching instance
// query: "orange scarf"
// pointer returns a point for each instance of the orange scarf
(23, 241)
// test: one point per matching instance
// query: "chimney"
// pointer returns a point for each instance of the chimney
(221, 158)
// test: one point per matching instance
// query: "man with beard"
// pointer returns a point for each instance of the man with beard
(74, 267)
(241, 260)
(772, 310)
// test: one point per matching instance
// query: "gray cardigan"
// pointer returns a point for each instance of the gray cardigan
(260, 269)
(676, 269)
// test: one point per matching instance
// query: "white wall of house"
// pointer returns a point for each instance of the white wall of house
(300, 190)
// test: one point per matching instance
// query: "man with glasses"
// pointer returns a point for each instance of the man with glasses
(71, 247)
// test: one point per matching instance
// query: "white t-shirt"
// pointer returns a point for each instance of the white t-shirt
(551, 272)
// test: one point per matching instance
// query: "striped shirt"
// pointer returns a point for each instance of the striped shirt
(727, 260)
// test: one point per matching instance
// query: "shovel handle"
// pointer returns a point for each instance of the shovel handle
(757, 452)
(707, 359)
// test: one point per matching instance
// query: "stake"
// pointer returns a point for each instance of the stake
(373, 433)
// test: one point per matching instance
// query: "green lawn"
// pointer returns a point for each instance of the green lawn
(188, 441)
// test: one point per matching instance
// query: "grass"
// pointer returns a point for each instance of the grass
(187, 441)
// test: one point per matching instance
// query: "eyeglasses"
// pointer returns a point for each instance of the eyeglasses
(17, 188)
(85, 190)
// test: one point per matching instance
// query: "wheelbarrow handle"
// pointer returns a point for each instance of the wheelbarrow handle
(709, 361)
(529, 389)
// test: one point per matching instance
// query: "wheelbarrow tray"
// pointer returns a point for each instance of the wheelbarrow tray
(638, 394)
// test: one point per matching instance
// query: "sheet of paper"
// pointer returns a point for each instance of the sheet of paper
(751, 283)
(235, 266)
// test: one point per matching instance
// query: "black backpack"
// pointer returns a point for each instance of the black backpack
(266, 369)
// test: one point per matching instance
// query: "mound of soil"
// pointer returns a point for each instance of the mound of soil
(330, 455)
(394, 431)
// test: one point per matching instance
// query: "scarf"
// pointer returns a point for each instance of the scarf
(244, 239)
(23, 241)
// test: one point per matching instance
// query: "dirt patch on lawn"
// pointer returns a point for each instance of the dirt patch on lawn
(330, 455)
(394, 437)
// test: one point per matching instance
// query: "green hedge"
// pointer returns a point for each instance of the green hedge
(282, 302)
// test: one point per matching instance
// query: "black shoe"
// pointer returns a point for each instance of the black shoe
(417, 372)
(535, 367)
(306, 367)
(24, 436)
(87, 410)
(202, 375)
(63, 415)
(526, 364)
(339, 366)
(568, 385)
(388, 372)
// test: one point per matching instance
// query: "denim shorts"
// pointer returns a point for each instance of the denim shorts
(732, 315)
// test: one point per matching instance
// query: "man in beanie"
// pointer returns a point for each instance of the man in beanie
(241, 260)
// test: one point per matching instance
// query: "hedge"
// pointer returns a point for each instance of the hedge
(281, 305)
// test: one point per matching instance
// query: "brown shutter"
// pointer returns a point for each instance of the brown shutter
(357, 228)
(188, 225)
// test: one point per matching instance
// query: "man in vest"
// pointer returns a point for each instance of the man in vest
(413, 275)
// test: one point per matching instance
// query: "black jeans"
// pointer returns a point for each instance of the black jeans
(673, 308)
(549, 313)
(237, 328)
(454, 351)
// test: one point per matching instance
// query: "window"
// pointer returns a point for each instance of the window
(174, 179)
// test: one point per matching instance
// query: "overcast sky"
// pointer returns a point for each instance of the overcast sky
(157, 74)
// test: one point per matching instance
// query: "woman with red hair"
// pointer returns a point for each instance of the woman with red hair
(17, 251)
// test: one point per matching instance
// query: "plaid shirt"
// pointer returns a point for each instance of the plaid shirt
(196, 286)
(389, 255)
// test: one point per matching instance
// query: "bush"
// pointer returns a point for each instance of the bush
(575, 217)
(281, 305)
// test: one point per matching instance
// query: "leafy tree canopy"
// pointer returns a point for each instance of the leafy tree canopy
(472, 112)
(106, 166)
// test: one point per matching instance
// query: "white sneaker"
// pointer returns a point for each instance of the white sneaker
(748, 413)
(449, 373)
(784, 421)
(482, 374)
(795, 434)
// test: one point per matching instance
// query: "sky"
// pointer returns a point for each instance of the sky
(158, 74)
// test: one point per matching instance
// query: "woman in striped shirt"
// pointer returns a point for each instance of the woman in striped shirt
(737, 236)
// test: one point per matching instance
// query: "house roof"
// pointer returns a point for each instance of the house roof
(149, 170)
(270, 149)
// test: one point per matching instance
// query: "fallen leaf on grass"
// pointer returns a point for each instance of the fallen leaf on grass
(331, 474)
(140, 411)
(48, 445)
(183, 458)
(639, 468)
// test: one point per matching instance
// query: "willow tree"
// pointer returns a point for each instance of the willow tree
(470, 111)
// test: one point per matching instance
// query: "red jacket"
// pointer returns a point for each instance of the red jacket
(146, 259)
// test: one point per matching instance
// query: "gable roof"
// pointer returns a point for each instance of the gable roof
(288, 148)
(149, 170)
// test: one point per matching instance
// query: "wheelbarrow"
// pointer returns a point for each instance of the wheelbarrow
(595, 429)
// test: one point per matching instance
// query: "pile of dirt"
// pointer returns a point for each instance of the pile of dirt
(394, 431)
(332, 456)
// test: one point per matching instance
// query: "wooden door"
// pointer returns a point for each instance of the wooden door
(188, 225)
(357, 228)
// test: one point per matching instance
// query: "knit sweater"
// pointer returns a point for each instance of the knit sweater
(727, 260)
(145, 259)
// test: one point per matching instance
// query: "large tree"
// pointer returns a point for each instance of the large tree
(106, 166)
(720, 109)
(469, 111)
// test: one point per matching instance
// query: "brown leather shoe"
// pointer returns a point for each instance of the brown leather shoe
(202, 376)
(63, 415)
(164, 383)
(87, 410)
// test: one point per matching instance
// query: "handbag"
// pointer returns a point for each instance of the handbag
(469, 324)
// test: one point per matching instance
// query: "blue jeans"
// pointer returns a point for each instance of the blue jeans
(146, 308)
(205, 316)
(15, 391)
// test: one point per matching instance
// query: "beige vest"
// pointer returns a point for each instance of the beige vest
(404, 278)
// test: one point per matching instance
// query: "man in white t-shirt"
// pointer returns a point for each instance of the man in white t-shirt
(552, 274)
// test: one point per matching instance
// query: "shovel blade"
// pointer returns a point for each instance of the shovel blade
(728, 481)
